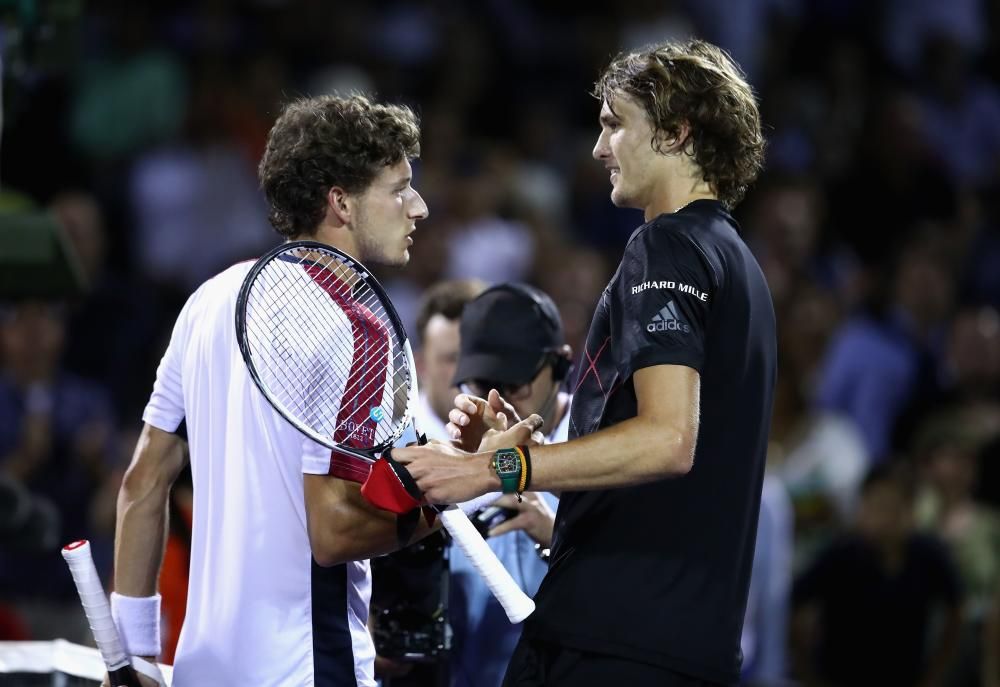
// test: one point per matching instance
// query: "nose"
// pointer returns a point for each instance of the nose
(601, 149)
(418, 208)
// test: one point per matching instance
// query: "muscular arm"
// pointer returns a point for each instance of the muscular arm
(659, 442)
(343, 526)
(141, 533)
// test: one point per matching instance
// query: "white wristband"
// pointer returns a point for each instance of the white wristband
(138, 621)
(485, 501)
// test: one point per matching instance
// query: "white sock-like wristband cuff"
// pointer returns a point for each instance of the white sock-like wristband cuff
(138, 621)
(472, 505)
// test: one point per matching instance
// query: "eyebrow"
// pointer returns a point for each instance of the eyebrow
(608, 119)
(402, 181)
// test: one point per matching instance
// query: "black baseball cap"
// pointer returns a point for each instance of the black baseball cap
(506, 334)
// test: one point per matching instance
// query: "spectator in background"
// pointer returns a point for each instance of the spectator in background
(967, 376)
(878, 361)
(56, 434)
(199, 190)
(486, 243)
(864, 610)
(947, 452)
(437, 331)
(959, 112)
(765, 624)
(121, 356)
(511, 340)
(819, 455)
(574, 276)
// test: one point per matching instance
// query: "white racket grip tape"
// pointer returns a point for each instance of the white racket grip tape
(150, 670)
(515, 602)
(95, 604)
(485, 501)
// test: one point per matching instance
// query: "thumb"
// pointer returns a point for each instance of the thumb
(495, 401)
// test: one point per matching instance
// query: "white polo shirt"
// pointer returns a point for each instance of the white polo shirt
(260, 611)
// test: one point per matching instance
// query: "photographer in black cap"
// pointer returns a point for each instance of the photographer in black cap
(512, 341)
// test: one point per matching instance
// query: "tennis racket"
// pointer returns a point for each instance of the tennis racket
(326, 348)
(98, 611)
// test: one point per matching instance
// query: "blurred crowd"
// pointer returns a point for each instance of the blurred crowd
(877, 222)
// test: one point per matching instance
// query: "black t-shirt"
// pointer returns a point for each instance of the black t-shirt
(659, 572)
(875, 624)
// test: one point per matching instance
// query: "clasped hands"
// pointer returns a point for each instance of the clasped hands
(456, 472)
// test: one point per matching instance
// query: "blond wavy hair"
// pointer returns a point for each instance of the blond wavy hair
(698, 84)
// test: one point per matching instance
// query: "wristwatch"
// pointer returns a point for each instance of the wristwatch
(507, 464)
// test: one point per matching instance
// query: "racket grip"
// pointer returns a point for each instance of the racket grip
(98, 611)
(515, 602)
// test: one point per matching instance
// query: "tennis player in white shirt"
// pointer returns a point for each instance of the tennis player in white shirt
(279, 583)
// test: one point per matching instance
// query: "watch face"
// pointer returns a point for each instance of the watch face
(506, 464)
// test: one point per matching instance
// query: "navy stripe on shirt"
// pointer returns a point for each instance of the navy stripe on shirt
(333, 650)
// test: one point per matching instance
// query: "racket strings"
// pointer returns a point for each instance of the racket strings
(362, 305)
(326, 349)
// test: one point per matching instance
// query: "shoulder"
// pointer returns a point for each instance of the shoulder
(223, 286)
(666, 249)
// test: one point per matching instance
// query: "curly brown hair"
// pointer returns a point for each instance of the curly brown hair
(696, 83)
(327, 141)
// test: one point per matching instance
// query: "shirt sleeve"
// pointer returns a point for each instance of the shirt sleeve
(165, 409)
(666, 289)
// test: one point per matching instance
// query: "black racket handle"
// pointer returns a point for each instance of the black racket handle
(124, 677)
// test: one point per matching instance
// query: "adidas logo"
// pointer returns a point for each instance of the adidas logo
(667, 320)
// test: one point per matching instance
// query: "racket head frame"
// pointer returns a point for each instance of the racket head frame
(363, 274)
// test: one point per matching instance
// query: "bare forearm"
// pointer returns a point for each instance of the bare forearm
(632, 452)
(140, 538)
(366, 535)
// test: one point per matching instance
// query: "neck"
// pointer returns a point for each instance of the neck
(339, 236)
(553, 411)
(675, 203)
(561, 407)
(548, 410)
(682, 186)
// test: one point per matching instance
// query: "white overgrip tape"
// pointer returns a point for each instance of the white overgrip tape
(150, 670)
(472, 505)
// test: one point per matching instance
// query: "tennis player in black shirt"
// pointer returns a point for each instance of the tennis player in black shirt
(661, 478)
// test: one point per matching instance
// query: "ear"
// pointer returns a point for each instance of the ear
(340, 204)
(676, 144)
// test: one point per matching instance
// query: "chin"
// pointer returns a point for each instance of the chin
(621, 200)
(399, 260)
